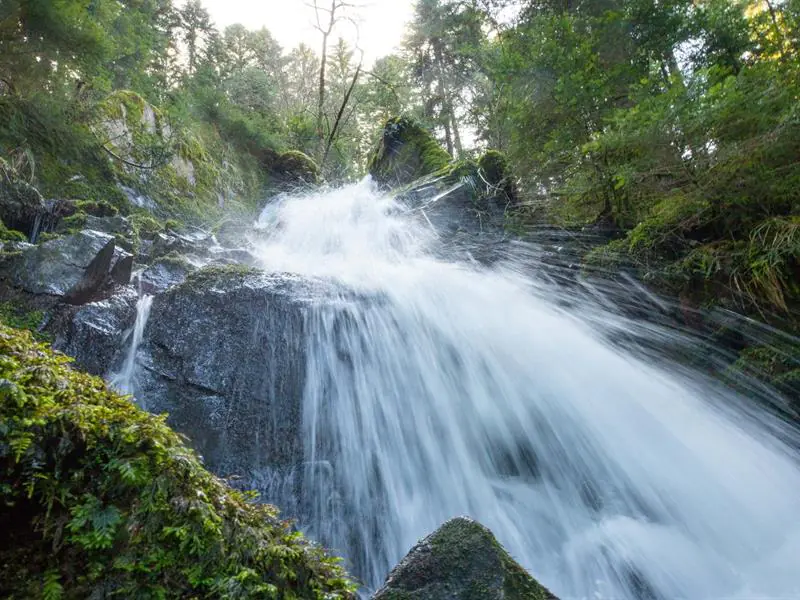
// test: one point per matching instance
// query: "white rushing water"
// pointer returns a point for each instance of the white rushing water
(124, 380)
(458, 389)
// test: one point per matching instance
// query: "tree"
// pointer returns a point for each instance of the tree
(195, 25)
(444, 45)
(238, 47)
(326, 19)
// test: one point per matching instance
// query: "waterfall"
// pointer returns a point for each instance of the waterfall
(460, 389)
(124, 380)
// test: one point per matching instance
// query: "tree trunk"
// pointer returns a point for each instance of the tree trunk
(321, 98)
(338, 120)
(447, 108)
(456, 134)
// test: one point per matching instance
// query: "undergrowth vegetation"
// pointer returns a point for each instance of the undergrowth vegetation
(102, 499)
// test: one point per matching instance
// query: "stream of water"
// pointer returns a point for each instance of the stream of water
(474, 390)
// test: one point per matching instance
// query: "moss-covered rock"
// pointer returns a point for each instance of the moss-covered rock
(21, 204)
(19, 316)
(406, 152)
(496, 175)
(102, 499)
(294, 167)
(11, 235)
(461, 560)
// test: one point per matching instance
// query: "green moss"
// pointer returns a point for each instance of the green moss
(72, 224)
(102, 499)
(124, 104)
(208, 277)
(406, 152)
(11, 235)
(175, 259)
(494, 166)
(47, 236)
(778, 365)
(295, 166)
(145, 226)
(96, 208)
(461, 559)
(19, 316)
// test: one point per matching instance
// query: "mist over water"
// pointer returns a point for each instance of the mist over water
(453, 388)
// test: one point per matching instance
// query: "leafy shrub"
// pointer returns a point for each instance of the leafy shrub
(102, 499)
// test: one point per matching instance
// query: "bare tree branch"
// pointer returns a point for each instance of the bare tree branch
(342, 108)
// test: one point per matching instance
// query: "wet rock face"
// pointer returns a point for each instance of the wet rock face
(461, 560)
(94, 334)
(164, 274)
(224, 355)
(74, 267)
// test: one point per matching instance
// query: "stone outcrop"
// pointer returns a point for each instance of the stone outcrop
(94, 334)
(294, 168)
(461, 560)
(224, 354)
(73, 267)
(406, 152)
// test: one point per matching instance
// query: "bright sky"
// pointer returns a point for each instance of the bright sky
(380, 31)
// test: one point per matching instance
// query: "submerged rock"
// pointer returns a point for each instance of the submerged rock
(461, 560)
(406, 152)
(74, 267)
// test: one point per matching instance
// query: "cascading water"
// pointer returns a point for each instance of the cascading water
(124, 380)
(455, 389)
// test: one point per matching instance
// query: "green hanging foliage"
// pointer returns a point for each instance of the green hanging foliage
(100, 498)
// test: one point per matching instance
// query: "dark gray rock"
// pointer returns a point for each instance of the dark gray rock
(94, 334)
(116, 224)
(74, 267)
(122, 267)
(232, 233)
(224, 355)
(165, 273)
(461, 560)
(174, 243)
(239, 256)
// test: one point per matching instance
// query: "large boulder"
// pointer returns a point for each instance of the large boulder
(294, 168)
(461, 560)
(224, 355)
(406, 152)
(497, 179)
(94, 334)
(21, 204)
(74, 267)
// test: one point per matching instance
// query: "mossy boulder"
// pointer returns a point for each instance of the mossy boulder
(461, 560)
(295, 168)
(11, 235)
(407, 152)
(102, 499)
(497, 177)
(21, 204)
